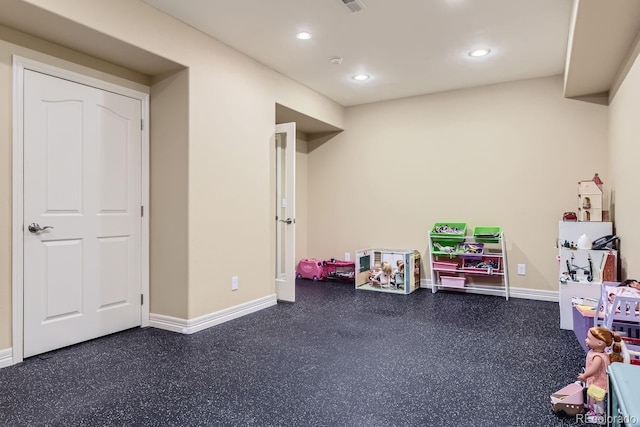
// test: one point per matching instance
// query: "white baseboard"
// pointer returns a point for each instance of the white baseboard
(523, 293)
(6, 357)
(535, 294)
(190, 326)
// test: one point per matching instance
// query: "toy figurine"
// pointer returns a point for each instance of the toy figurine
(399, 275)
(445, 229)
(628, 288)
(630, 283)
(385, 278)
(447, 249)
(381, 275)
(374, 274)
(604, 348)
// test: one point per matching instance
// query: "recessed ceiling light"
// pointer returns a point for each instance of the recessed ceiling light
(303, 35)
(480, 52)
(360, 77)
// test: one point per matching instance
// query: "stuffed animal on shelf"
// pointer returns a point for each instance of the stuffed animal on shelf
(447, 249)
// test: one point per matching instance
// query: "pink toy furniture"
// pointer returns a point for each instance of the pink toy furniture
(339, 270)
(622, 314)
(310, 268)
(569, 400)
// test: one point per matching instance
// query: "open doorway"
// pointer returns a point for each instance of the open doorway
(307, 130)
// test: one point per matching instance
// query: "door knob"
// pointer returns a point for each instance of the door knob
(35, 228)
(287, 221)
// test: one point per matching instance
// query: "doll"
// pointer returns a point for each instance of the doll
(385, 277)
(399, 274)
(604, 348)
(381, 275)
(628, 288)
(631, 283)
(374, 275)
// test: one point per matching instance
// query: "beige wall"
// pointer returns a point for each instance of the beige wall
(231, 120)
(211, 161)
(624, 137)
(169, 171)
(508, 155)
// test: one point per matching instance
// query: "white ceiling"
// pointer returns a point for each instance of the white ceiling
(418, 47)
(409, 47)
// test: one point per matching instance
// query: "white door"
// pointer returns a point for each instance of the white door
(285, 212)
(82, 212)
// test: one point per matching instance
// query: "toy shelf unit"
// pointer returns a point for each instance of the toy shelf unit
(394, 271)
(581, 272)
(470, 263)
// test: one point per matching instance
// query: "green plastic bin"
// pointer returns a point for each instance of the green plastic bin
(436, 231)
(448, 239)
(487, 234)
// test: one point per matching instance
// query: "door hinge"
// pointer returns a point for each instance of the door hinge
(141, 211)
(141, 299)
(141, 124)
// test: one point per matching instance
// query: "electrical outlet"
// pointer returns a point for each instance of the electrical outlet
(347, 256)
(522, 269)
(234, 283)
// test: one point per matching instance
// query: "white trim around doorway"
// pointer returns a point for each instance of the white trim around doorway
(17, 257)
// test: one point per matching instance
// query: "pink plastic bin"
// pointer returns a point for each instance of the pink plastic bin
(310, 268)
(452, 281)
(444, 265)
(486, 265)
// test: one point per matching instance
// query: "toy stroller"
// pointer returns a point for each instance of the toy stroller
(568, 400)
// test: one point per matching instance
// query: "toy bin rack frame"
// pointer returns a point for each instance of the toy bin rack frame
(474, 264)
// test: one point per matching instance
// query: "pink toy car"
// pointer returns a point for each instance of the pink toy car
(310, 268)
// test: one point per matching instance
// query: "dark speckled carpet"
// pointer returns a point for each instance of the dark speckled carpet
(336, 357)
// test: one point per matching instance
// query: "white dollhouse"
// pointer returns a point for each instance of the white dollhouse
(590, 200)
(405, 264)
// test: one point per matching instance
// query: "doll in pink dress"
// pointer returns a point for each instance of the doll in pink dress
(385, 277)
(604, 348)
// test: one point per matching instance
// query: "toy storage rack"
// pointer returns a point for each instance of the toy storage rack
(448, 262)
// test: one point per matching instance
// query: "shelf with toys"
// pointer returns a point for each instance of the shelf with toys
(475, 263)
(581, 267)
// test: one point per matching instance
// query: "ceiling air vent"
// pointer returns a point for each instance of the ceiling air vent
(353, 5)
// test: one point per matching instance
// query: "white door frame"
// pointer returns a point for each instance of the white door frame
(17, 249)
